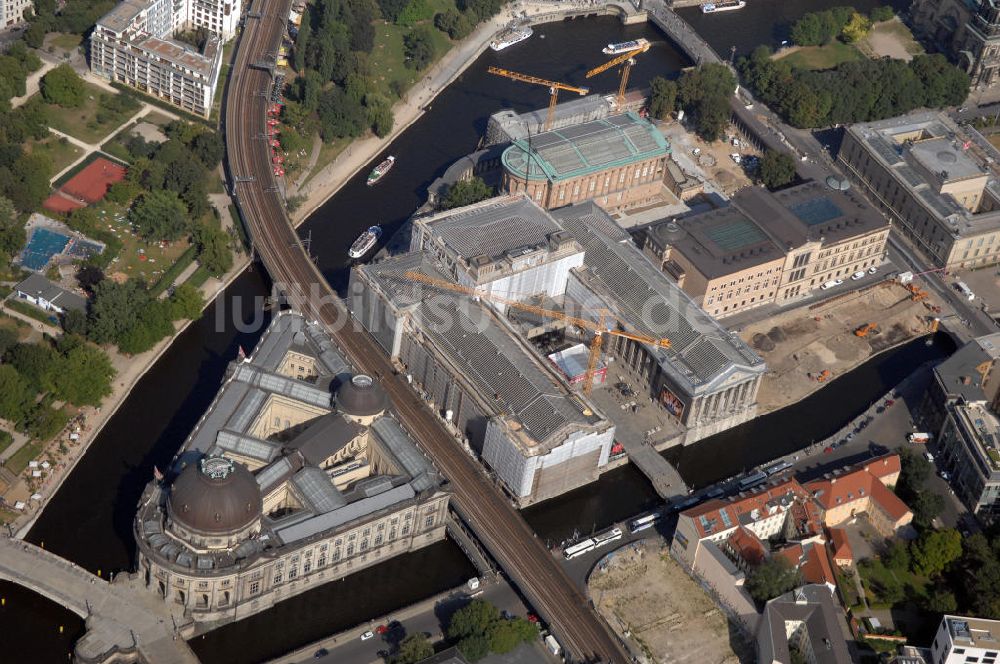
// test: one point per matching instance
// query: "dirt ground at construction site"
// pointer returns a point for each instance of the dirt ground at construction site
(805, 348)
(640, 589)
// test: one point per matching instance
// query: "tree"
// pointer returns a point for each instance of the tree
(466, 192)
(115, 309)
(704, 94)
(882, 13)
(914, 472)
(414, 648)
(897, 555)
(213, 248)
(8, 337)
(35, 363)
(773, 577)
(15, 394)
(208, 148)
(808, 30)
(83, 376)
(418, 47)
(934, 551)
(926, 507)
(776, 169)
(941, 600)
(508, 634)
(856, 29)
(153, 324)
(475, 647)
(62, 86)
(27, 183)
(457, 24)
(186, 303)
(12, 234)
(476, 617)
(159, 215)
(662, 97)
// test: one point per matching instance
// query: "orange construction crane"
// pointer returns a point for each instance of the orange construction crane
(628, 59)
(598, 328)
(553, 86)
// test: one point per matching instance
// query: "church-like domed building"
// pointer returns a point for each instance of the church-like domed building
(298, 474)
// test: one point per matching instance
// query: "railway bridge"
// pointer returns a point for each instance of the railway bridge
(500, 528)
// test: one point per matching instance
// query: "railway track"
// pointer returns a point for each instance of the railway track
(495, 522)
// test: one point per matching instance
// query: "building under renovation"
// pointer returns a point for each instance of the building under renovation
(478, 359)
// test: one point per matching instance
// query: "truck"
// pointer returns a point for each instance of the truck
(552, 645)
(904, 277)
(964, 289)
(921, 438)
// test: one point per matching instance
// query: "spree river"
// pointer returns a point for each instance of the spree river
(89, 520)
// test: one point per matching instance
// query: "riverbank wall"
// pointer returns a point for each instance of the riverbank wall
(109, 407)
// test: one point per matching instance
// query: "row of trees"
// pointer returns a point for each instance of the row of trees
(858, 91)
(127, 315)
(33, 375)
(15, 65)
(846, 23)
(477, 628)
(76, 17)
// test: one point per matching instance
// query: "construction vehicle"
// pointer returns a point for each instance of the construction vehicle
(600, 328)
(628, 60)
(553, 86)
(823, 376)
(917, 294)
(866, 329)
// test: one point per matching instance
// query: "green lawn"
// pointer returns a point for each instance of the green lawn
(58, 149)
(822, 57)
(64, 41)
(5, 440)
(130, 262)
(89, 123)
(875, 577)
(388, 52)
(19, 460)
(157, 118)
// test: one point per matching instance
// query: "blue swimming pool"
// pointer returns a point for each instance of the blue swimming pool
(42, 246)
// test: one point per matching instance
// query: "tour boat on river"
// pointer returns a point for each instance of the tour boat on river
(365, 242)
(722, 6)
(379, 171)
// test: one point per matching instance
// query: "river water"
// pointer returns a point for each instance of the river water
(89, 519)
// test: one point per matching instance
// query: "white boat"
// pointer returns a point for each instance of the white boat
(722, 6)
(511, 36)
(379, 171)
(624, 47)
(365, 242)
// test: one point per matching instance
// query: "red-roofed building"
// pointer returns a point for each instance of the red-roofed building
(745, 548)
(782, 509)
(840, 547)
(812, 561)
(863, 490)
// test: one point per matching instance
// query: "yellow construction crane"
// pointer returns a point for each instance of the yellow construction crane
(598, 328)
(553, 86)
(628, 59)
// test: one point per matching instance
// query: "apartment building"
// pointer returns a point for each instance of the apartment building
(961, 640)
(769, 247)
(968, 449)
(936, 180)
(12, 11)
(132, 45)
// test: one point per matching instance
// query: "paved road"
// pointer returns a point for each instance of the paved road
(497, 524)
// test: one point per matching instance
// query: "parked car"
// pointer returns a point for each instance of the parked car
(736, 157)
(367, 635)
(873, 269)
(860, 274)
(322, 652)
(944, 475)
(929, 456)
(832, 283)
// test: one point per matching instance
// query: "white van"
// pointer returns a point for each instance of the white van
(832, 283)
(964, 289)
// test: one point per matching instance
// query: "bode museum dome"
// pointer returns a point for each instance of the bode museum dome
(214, 499)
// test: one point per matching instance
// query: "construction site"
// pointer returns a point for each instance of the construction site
(646, 597)
(806, 348)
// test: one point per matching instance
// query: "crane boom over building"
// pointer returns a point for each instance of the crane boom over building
(628, 59)
(553, 86)
(599, 328)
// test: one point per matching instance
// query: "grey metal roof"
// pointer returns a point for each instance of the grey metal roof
(495, 228)
(324, 437)
(958, 375)
(646, 300)
(288, 330)
(345, 514)
(38, 286)
(279, 384)
(271, 476)
(317, 490)
(812, 605)
(256, 448)
(401, 447)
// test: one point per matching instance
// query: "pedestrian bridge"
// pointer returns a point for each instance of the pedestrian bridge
(124, 622)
